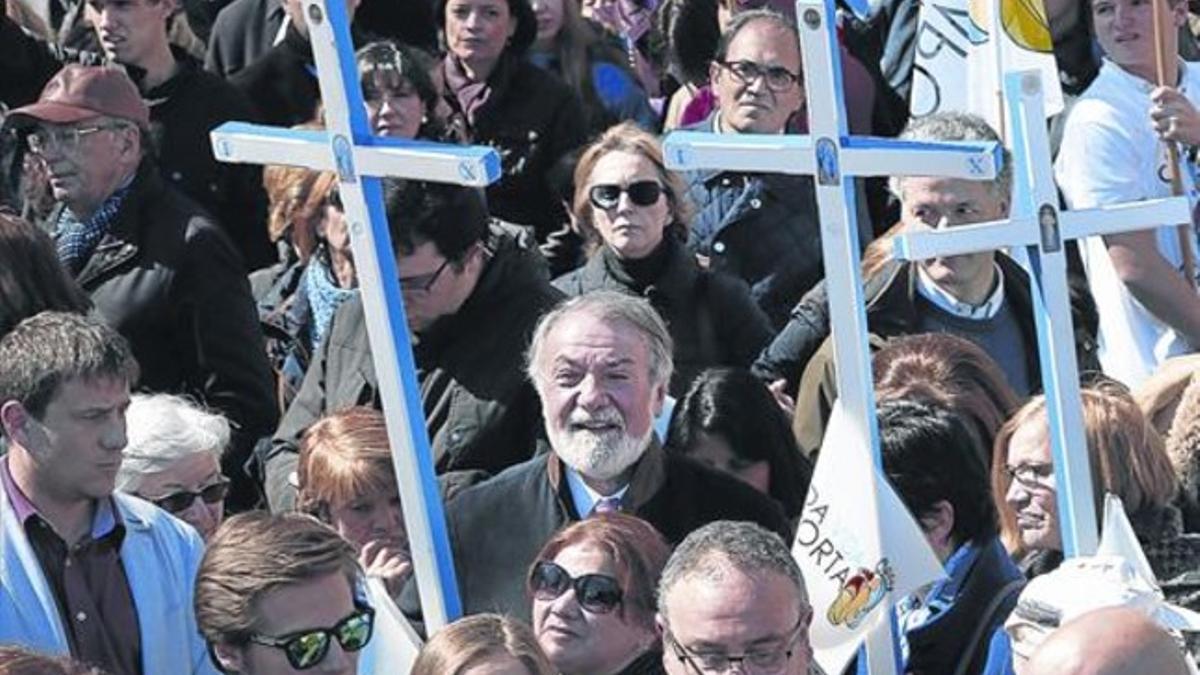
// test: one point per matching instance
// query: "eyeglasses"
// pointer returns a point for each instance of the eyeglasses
(180, 501)
(423, 282)
(777, 78)
(641, 193)
(1032, 474)
(763, 662)
(308, 648)
(597, 593)
(63, 139)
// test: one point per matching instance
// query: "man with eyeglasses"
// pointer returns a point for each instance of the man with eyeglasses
(100, 575)
(473, 290)
(762, 228)
(152, 262)
(731, 596)
(184, 100)
(282, 594)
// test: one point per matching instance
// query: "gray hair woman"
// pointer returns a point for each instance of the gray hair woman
(173, 458)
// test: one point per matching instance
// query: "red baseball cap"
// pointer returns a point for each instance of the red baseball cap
(79, 92)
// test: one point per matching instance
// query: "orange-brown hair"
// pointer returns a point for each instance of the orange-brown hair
(636, 549)
(297, 199)
(1127, 456)
(343, 456)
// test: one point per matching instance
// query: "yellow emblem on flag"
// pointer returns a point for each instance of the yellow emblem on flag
(1024, 21)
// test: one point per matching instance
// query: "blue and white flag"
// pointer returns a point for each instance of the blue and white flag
(857, 545)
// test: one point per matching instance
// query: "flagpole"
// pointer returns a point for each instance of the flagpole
(1183, 230)
(997, 48)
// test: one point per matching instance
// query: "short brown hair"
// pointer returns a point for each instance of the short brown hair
(51, 348)
(342, 456)
(629, 137)
(477, 639)
(254, 553)
(1127, 456)
(637, 550)
(20, 661)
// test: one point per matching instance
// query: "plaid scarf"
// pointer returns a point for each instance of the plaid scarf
(76, 239)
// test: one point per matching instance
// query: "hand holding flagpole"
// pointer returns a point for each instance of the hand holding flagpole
(1184, 230)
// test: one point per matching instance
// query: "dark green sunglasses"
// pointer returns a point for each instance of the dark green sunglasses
(308, 648)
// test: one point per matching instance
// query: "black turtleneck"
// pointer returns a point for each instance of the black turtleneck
(640, 272)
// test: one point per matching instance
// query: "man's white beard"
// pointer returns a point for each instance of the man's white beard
(599, 455)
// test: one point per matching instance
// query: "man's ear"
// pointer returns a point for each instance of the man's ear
(938, 523)
(229, 659)
(14, 420)
(714, 72)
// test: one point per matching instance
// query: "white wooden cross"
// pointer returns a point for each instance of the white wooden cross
(1037, 225)
(360, 159)
(834, 158)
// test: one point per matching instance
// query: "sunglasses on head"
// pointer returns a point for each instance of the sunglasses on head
(641, 193)
(180, 501)
(308, 648)
(597, 593)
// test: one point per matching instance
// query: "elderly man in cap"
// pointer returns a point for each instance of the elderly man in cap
(156, 268)
(600, 363)
(185, 101)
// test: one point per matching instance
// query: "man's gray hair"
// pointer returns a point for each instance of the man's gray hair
(608, 307)
(164, 428)
(713, 550)
(958, 126)
(49, 349)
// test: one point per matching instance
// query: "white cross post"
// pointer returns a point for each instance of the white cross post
(360, 159)
(834, 157)
(1037, 225)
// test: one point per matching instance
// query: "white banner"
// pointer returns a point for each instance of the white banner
(859, 548)
(959, 65)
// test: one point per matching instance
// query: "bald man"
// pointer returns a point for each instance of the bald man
(1110, 641)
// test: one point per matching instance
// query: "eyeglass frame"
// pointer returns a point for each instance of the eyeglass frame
(575, 584)
(222, 484)
(78, 132)
(282, 641)
(759, 70)
(1036, 474)
(688, 657)
(423, 282)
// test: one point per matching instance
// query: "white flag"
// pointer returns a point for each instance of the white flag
(961, 58)
(857, 545)
(394, 644)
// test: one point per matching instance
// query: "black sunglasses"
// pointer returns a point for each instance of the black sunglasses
(641, 193)
(308, 648)
(179, 501)
(597, 593)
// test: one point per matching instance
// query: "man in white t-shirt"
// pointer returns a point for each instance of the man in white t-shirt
(1112, 153)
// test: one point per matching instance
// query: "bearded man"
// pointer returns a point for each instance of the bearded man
(600, 363)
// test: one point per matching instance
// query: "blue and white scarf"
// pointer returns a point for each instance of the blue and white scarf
(324, 297)
(76, 239)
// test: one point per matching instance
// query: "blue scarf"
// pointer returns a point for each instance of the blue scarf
(77, 239)
(324, 297)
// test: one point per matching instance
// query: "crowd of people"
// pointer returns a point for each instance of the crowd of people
(626, 372)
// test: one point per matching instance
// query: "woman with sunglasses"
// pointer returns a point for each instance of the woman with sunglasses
(633, 211)
(483, 644)
(173, 458)
(593, 587)
(1128, 458)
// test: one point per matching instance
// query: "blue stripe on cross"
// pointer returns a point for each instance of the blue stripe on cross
(831, 155)
(360, 160)
(1036, 224)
